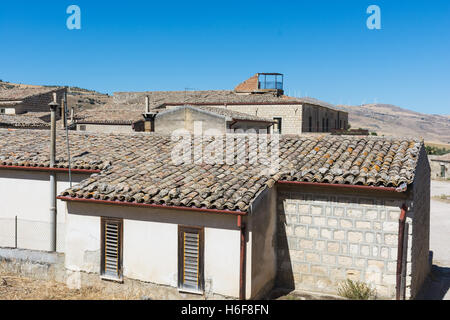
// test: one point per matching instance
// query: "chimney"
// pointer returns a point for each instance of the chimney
(147, 104)
(53, 107)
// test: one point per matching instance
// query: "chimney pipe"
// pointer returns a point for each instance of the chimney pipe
(53, 107)
(63, 114)
(71, 115)
(147, 104)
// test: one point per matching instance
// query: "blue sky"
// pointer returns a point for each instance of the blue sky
(324, 48)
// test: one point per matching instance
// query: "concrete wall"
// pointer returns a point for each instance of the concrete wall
(263, 238)
(419, 234)
(26, 194)
(8, 110)
(106, 128)
(327, 235)
(184, 118)
(150, 245)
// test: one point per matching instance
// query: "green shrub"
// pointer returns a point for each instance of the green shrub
(356, 290)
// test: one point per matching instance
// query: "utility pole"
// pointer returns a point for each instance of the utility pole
(53, 107)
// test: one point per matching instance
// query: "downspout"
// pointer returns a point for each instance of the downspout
(242, 265)
(53, 106)
(400, 285)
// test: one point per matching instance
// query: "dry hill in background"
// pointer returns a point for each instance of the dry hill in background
(387, 119)
(384, 119)
(80, 99)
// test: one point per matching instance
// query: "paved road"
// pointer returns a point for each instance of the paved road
(438, 286)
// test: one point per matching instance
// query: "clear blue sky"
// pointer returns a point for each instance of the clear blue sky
(324, 48)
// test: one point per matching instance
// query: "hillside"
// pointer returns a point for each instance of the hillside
(387, 119)
(384, 119)
(79, 98)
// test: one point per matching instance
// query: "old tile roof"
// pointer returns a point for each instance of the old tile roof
(227, 113)
(137, 168)
(31, 120)
(159, 98)
(22, 93)
(109, 115)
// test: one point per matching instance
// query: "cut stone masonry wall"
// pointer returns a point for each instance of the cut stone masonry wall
(326, 238)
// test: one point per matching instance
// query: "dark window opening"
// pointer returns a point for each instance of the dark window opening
(277, 125)
(190, 259)
(442, 171)
(310, 124)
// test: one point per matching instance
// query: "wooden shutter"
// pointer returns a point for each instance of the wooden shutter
(190, 256)
(112, 248)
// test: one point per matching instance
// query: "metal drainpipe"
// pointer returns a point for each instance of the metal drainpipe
(400, 289)
(242, 271)
(53, 106)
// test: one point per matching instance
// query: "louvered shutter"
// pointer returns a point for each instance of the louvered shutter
(191, 255)
(112, 237)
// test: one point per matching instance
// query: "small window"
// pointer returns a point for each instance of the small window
(277, 125)
(82, 127)
(442, 171)
(190, 259)
(2, 111)
(111, 264)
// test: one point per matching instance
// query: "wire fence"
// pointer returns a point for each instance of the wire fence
(28, 234)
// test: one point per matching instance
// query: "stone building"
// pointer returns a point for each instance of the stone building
(220, 119)
(334, 208)
(23, 100)
(440, 166)
(262, 96)
(108, 120)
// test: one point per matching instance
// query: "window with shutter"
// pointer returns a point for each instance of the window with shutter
(111, 249)
(190, 259)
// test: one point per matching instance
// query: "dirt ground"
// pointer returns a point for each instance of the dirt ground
(14, 287)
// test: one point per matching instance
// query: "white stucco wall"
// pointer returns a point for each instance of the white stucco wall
(8, 110)
(26, 194)
(107, 128)
(150, 244)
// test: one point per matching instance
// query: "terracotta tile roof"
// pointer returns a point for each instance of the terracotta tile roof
(108, 115)
(159, 98)
(137, 168)
(31, 120)
(22, 93)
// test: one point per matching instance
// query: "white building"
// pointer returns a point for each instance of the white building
(331, 211)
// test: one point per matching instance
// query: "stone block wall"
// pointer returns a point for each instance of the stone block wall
(326, 237)
(39, 103)
(291, 114)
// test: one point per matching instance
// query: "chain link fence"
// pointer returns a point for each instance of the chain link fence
(28, 234)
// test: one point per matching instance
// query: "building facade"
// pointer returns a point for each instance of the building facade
(336, 208)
